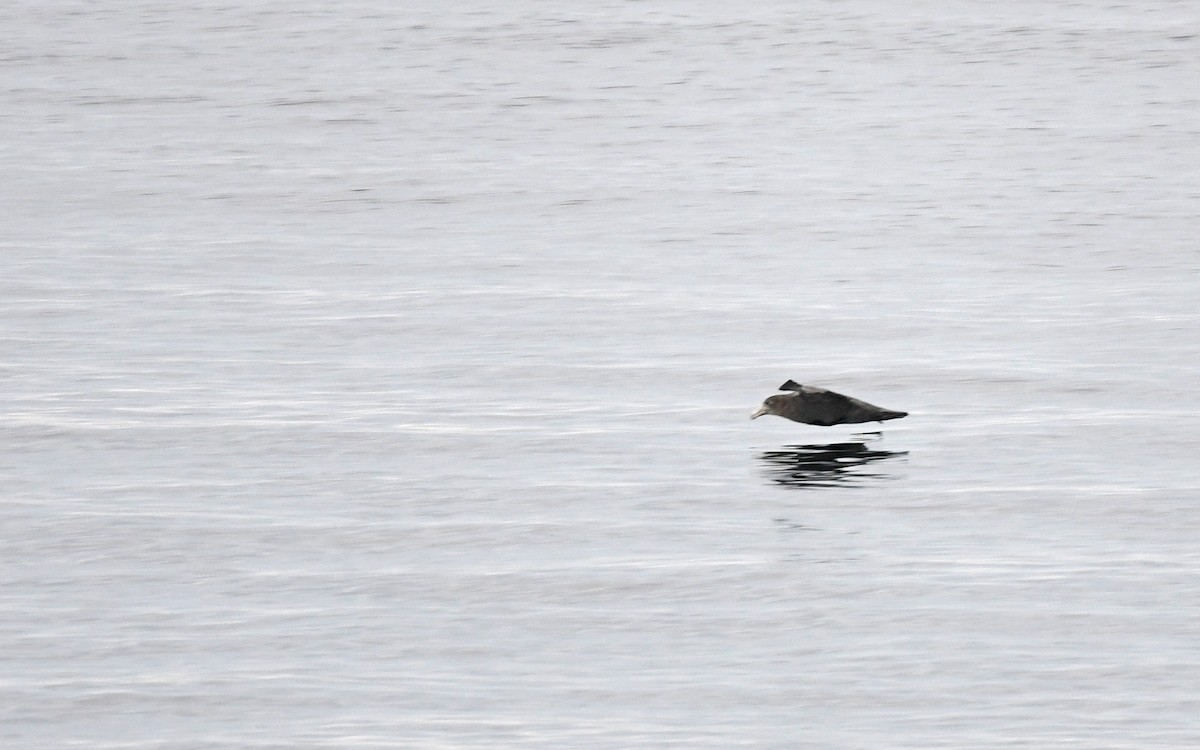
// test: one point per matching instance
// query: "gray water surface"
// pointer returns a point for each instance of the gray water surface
(380, 376)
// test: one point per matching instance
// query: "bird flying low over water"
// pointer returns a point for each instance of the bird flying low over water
(812, 405)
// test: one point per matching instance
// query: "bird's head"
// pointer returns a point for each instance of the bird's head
(771, 406)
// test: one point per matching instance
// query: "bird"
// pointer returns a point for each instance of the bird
(812, 405)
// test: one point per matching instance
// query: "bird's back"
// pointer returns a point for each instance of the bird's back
(817, 406)
(812, 405)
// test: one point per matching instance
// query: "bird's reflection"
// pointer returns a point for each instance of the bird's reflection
(826, 465)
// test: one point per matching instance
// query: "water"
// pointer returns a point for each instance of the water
(380, 377)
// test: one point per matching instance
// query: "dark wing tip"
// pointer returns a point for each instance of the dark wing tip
(791, 385)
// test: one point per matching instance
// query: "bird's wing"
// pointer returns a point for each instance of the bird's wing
(825, 407)
(791, 385)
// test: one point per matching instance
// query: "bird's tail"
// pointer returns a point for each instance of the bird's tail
(889, 414)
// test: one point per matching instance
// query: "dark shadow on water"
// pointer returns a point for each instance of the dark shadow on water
(807, 467)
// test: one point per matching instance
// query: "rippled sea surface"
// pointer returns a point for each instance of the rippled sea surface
(378, 375)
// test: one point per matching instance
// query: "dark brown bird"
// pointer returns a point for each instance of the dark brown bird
(812, 405)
